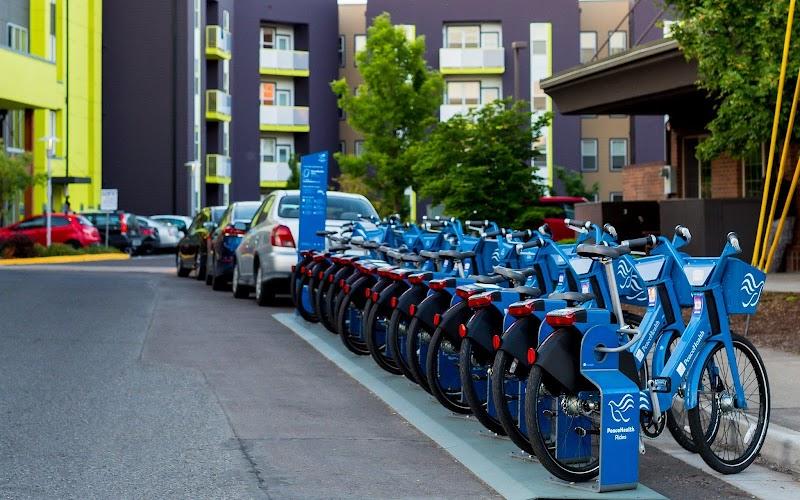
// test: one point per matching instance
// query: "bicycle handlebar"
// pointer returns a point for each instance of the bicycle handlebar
(733, 239)
(611, 230)
(536, 242)
(492, 234)
(644, 243)
(521, 234)
(683, 232)
(477, 223)
(578, 225)
(545, 229)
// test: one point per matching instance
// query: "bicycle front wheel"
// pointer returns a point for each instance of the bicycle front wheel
(727, 435)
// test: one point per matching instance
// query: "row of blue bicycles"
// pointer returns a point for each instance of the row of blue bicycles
(570, 350)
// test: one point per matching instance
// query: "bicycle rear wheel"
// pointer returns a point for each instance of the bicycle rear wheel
(475, 365)
(727, 437)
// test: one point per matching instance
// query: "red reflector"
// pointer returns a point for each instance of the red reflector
(416, 279)
(346, 288)
(293, 268)
(367, 292)
(466, 293)
(480, 301)
(437, 285)
(462, 330)
(412, 309)
(302, 269)
(341, 282)
(320, 275)
(496, 342)
(561, 318)
(375, 296)
(520, 309)
(437, 318)
(330, 278)
(531, 355)
(309, 273)
(393, 302)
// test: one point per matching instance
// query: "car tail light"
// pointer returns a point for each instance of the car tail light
(480, 301)
(437, 318)
(563, 317)
(147, 231)
(233, 231)
(393, 302)
(496, 342)
(412, 309)
(416, 279)
(123, 223)
(462, 330)
(466, 293)
(531, 355)
(282, 237)
(521, 309)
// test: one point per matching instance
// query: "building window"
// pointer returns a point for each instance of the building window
(342, 51)
(267, 38)
(226, 139)
(53, 21)
(17, 38)
(283, 41)
(268, 149)
(589, 155)
(343, 147)
(359, 148)
(340, 112)
(267, 94)
(588, 46)
(705, 180)
(226, 20)
(753, 165)
(463, 93)
(359, 43)
(15, 131)
(462, 37)
(615, 196)
(619, 153)
(617, 42)
(226, 75)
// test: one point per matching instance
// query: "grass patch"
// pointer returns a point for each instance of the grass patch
(60, 250)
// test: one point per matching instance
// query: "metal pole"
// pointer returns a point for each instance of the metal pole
(49, 197)
(108, 216)
(516, 47)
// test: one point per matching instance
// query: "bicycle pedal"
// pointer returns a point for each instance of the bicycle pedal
(661, 384)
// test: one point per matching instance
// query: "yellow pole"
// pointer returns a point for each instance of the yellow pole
(779, 178)
(785, 212)
(775, 122)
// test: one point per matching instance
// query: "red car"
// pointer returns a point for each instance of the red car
(70, 229)
(567, 205)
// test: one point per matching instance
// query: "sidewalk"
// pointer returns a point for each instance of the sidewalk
(782, 446)
(783, 282)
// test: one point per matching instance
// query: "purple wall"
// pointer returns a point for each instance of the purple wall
(515, 15)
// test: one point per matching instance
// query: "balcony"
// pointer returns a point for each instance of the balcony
(34, 83)
(274, 174)
(284, 119)
(472, 61)
(284, 62)
(218, 169)
(218, 106)
(219, 43)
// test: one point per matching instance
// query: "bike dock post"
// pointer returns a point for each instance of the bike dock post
(619, 410)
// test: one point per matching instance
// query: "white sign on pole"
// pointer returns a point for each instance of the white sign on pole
(108, 199)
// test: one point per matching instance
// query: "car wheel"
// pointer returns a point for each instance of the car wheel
(239, 291)
(182, 271)
(264, 295)
(209, 270)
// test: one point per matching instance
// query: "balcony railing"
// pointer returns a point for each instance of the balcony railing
(218, 105)
(218, 169)
(284, 62)
(274, 174)
(472, 61)
(284, 119)
(219, 43)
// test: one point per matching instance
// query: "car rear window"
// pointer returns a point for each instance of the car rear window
(245, 211)
(339, 208)
(84, 221)
(217, 213)
(103, 219)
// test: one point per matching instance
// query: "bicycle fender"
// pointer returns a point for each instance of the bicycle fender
(484, 324)
(559, 357)
(392, 290)
(357, 290)
(520, 337)
(342, 274)
(695, 372)
(413, 295)
(457, 314)
(435, 303)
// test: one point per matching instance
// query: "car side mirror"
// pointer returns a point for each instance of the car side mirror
(241, 226)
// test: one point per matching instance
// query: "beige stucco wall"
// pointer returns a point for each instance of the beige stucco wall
(352, 21)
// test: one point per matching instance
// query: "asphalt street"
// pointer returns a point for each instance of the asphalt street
(121, 384)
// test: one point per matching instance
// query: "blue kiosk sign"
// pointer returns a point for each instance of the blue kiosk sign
(313, 200)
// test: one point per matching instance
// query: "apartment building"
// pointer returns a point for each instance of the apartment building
(50, 98)
(239, 93)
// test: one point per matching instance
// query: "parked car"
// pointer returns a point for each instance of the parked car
(225, 239)
(158, 235)
(179, 221)
(123, 229)
(565, 208)
(193, 247)
(265, 257)
(69, 229)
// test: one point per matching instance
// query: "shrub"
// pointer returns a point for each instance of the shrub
(59, 249)
(17, 246)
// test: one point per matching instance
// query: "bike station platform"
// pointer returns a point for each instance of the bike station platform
(492, 460)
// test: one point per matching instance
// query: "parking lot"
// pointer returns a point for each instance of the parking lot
(121, 380)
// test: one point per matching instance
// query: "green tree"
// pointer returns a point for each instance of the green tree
(479, 165)
(393, 109)
(574, 185)
(14, 178)
(738, 45)
(293, 182)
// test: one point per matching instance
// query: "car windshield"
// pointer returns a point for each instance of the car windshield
(245, 211)
(339, 207)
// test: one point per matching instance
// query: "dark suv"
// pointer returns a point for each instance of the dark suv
(226, 238)
(193, 246)
(122, 228)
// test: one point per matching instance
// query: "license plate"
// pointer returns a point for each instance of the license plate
(136, 242)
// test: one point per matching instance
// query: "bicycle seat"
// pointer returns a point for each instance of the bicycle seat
(455, 254)
(530, 291)
(601, 251)
(489, 280)
(428, 254)
(572, 298)
(514, 275)
(410, 257)
(371, 245)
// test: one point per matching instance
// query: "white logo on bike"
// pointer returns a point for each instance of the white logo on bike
(751, 289)
(618, 409)
(629, 282)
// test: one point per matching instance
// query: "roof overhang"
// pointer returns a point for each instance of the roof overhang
(650, 79)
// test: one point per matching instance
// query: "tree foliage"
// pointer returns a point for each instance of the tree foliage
(480, 164)
(14, 178)
(738, 45)
(393, 109)
(574, 184)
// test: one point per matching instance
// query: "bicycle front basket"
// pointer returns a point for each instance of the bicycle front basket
(742, 285)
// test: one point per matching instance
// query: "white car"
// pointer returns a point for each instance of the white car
(165, 236)
(179, 221)
(265, 257)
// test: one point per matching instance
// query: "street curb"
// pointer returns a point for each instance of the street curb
(65, 259)
(782, 447)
